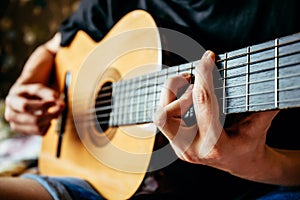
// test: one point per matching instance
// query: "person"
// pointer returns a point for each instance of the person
(255, 157)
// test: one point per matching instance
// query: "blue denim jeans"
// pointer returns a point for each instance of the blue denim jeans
(283, 193)
(66, 188)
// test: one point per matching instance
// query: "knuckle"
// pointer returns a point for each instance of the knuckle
(189, 156)
(201, 95)
(7, 100)
(171, 82)
(43, 91)
(167, 84)
(7, 115)
(159, 118)
(37, 87)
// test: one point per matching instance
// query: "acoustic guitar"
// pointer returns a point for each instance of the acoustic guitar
(112, 88)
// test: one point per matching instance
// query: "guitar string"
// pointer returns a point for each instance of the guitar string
(149, 108)
(232, 67)
(242, 55)
(109, 107)
(230, 97)
(153, 92)
(99, 104)
(245, 64)
(261, 49)
(142, 119)
(282, 77)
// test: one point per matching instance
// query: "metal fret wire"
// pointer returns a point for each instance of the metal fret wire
(180, 69)
(276, 73)
(247, 79)
(245, 54)
(252, 52)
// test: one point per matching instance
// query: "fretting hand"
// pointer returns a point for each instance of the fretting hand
(243, 152)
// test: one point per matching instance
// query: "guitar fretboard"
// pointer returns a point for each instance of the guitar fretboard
(135, 100)
(260, 77)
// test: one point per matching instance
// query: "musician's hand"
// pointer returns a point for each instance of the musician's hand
(31, 107)
(242, 152)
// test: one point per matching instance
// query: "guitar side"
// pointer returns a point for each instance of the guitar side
(80, 159)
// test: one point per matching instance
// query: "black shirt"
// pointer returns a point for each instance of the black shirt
(217, 25)
(220, 25)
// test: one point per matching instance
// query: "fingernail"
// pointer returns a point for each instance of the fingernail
(185, 75)
(207, 54)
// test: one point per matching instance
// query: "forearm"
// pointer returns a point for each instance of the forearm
(274, 166)
(286, 167)
(29, 100)
(37, 68)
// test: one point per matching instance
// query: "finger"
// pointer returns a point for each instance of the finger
(27, 118)
(173, 127)
(169, 118)
(171, 88)
(28, 123)
(36, 90)
(34, 106)
(29, 129)
(13, 116)
(203, 72)
(184, 103)
(206, 104)
(21, 100)
(179, 107)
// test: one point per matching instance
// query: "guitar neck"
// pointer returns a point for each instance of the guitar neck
(262, 77)
(255, 78)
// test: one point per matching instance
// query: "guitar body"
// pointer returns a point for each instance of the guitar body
(114, 161)
(115, 85)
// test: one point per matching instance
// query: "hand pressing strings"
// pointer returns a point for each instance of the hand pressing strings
(206, 142)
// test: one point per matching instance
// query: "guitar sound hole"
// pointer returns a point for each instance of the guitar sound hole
(103, 107)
